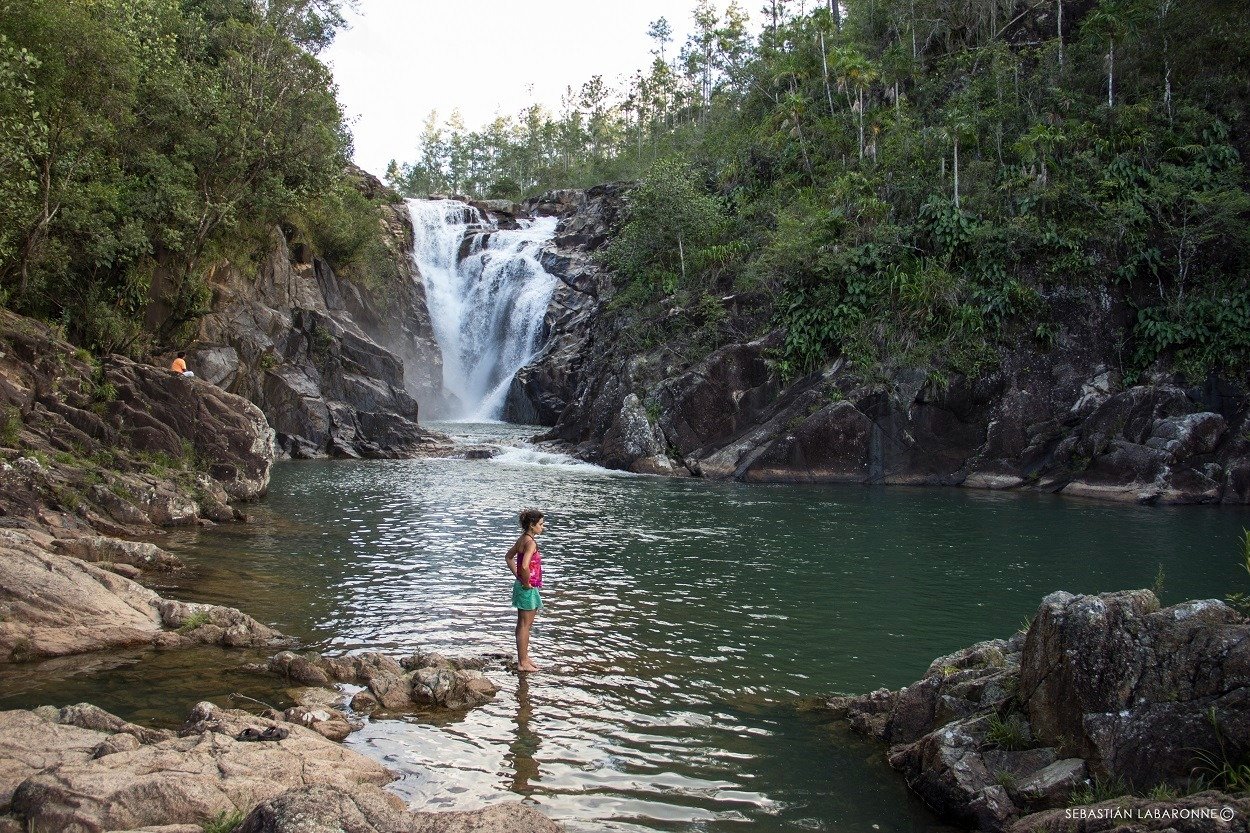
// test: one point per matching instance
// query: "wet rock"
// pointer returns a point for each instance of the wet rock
(632, 437)
(364, 702)
(1109, 687)
(329, 723)
(298, 669)
(329, 810)
(338, 367)
(214, 625)
(1132, 687)
(315, 697)
(451, 689)
(1053, 785)
(424, 678)
(189, 779)
(139, 554)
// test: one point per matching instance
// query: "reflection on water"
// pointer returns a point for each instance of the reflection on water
(683, 619)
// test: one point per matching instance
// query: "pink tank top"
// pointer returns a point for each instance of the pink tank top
(536, 569)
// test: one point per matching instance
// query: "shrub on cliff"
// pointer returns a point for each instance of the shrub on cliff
(146, 138)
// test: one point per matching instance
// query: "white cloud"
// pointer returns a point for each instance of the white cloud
(402, 58)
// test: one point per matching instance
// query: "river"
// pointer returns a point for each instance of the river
(687, 625)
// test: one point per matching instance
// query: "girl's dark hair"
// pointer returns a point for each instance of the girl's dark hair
(529, 517)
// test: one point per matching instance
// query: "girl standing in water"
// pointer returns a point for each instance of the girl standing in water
(526, 563)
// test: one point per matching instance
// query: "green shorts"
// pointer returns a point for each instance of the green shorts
(523, 599)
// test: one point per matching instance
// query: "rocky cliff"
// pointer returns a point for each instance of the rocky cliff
(1056, 416)
(95, 452)
(1057, 728)
(339, 367)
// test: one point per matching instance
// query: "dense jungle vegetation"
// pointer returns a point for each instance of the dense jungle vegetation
(144, 141)
(913, 182)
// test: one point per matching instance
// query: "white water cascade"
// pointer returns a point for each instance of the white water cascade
(487, 295)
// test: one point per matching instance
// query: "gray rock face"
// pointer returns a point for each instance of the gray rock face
(1056, 420)
(338, 366)
(1108, 687)
(1134, 688)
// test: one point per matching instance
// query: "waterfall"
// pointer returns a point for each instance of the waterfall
(487, 295)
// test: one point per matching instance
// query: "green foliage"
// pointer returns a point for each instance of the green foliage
(1098, 789)
(670, 237)
(345, 228)
(197, 619)
(1163, 792)
(1011, 733)
(1224, 769)
(910, 185)
(224, 822)
(1241, 601)
(1157, 587)
(141, 139)
(10, 426)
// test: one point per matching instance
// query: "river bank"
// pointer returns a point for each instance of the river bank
(685, 389)
(1105, 712)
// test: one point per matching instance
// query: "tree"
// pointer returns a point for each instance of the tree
(1114, 20)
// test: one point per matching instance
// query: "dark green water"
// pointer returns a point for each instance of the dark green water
(684, 619)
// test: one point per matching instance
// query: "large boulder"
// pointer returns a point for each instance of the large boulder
(1141, 693)
(82, 770)
(330, 810)
(54, 605)
(204, 773)
(424, 679)
(1107, 687)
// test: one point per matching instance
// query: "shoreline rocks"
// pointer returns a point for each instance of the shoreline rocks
(1103, 690)
(81, 770)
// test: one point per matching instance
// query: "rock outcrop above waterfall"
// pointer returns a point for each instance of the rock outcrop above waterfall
(1108, 690)
(81, 769)
(338, 366)
(1058, 418)
(96, 451)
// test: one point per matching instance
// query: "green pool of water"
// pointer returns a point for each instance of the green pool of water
(684, 621)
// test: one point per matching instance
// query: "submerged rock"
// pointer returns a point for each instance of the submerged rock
(422, 679)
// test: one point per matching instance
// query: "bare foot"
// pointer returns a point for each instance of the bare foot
(527, 666)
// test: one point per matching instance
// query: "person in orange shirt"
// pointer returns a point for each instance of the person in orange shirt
(179, 365)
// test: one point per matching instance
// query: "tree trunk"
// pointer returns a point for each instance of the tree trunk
(1111, 75)
(681, 253)
(824, 63)
(957, 171)
(1059, 32)
(861, 123)
(836, 11)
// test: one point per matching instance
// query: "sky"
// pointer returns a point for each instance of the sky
(402, 58)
